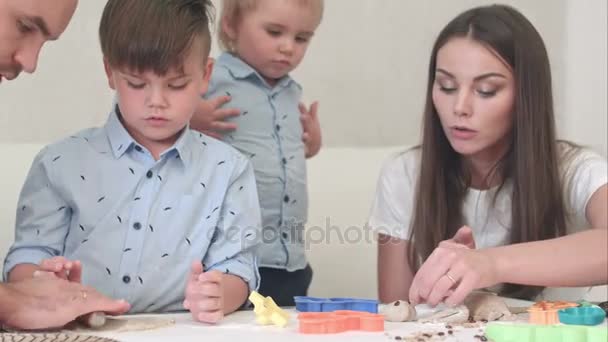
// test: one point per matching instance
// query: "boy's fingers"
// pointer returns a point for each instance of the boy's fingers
(208, 290)
(196, 269)
(209, 304)
(210, 277)
(210, 317)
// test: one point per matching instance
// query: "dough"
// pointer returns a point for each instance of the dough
(126, 324)
(95, 319)
(487, 306)
(397, 311)
(455, 315)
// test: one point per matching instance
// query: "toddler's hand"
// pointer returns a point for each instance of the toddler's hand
(312, 129)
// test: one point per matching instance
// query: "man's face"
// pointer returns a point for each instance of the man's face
(25, 25)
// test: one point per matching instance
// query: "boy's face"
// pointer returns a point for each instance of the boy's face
(273, 37)
(155, 109)
(25, 25)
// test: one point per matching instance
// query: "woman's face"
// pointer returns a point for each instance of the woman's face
(473, 93)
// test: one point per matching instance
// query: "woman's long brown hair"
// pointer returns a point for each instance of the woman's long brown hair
(531, 163)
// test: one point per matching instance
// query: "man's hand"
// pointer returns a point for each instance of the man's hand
(46, 301)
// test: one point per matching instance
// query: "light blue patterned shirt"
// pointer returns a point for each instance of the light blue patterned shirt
(137, 224)
(269, 133)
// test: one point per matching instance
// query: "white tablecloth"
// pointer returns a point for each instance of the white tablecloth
(241, 326)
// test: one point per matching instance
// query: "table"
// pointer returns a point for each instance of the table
(241, 326)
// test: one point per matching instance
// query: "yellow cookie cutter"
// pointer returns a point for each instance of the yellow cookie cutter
(267, 311)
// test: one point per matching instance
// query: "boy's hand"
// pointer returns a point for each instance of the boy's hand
(63, 268)
(311, 128)
(209, 117)
(205, 294)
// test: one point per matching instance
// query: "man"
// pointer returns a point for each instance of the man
(43, 301)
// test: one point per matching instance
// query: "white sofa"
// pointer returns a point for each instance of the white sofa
(342, 182)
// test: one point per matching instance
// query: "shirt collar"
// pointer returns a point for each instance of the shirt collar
(121, 141)
(182, 148)
(241, 70)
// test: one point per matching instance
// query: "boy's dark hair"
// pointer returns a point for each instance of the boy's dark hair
(153, 35)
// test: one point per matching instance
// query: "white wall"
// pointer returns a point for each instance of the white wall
(584, 117)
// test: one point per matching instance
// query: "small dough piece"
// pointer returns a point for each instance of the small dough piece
(126, 324)
(397, 311)
(94, 320)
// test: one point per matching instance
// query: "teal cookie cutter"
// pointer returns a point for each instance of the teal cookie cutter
(582, 315)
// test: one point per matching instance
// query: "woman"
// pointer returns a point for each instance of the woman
(489, 160)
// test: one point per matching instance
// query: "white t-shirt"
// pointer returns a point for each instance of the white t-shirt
(392, 208)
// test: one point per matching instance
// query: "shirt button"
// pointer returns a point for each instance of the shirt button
(278, 127)
(285, 236)
(138, 148)
(126, 279)
(286, 199)
(284, 161)
(137, 226)
(149, 174)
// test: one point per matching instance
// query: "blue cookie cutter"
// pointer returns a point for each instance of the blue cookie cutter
(582, 315)
(313, 304)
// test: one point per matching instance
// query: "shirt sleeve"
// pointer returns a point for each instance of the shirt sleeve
(585, 174)
(232, 248)
(42, 217)
(392, 205)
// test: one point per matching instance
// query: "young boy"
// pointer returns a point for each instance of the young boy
(137, 207)
(265, 40)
